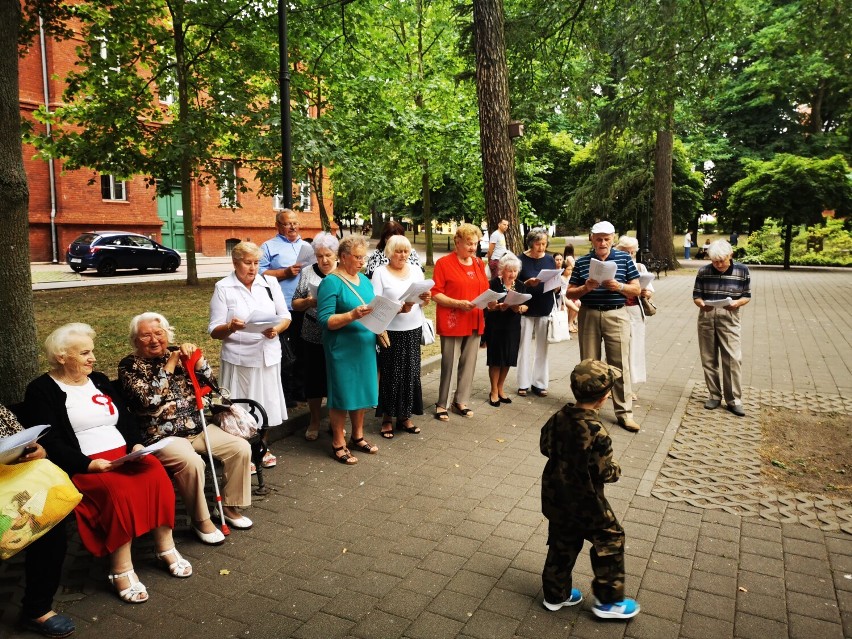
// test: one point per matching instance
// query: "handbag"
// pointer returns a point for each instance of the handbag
(382, 339)
(648, 307)
(557, 326)
(427, 334)
(34, 497)
(234, 420)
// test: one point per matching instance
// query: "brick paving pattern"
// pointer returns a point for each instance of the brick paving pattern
(440, 534)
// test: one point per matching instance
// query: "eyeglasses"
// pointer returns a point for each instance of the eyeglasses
(288, 224)
(360, 258)
(151, 337)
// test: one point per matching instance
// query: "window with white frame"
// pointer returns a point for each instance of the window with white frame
(278, 202)
(305, 196)
(113, 189)
(228, 185)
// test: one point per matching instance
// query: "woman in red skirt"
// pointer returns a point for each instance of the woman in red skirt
(90, 428)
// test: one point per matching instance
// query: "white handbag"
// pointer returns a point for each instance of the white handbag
(558, 329)
(427, 335)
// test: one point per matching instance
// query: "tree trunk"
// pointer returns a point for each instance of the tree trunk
(18, 351)
(377, 221)
(315, 176)
(788, 242)
(427, 212)
(492, 92)
(661, 224)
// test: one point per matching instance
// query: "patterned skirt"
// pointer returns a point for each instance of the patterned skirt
(400, 394)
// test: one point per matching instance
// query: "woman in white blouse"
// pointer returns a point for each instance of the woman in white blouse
(400, 394)
(251, 361)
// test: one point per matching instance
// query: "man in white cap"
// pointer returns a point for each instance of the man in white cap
(604, 317)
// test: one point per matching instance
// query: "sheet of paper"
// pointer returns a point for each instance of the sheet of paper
(13, 446)
(259, 321)
(602, 271)
(313, 290)
(547, 274)
(412, 295)
(306, 256)
(719, 303)
(552, 283)
(513, 298)
(482, 300)
(384, 310)
(136, 454)
(645, 280)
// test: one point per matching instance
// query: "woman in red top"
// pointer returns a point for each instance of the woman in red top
(459, 278)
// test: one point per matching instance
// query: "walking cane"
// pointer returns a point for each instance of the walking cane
(189, 366)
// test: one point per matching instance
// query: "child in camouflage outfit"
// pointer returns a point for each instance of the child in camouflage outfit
(579, 453)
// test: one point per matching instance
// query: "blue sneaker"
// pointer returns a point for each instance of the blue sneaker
(575, 598)
(624, 609)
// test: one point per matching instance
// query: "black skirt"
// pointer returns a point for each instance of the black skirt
(400, 394)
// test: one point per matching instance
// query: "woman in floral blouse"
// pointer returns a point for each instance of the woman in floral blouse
(161, 394)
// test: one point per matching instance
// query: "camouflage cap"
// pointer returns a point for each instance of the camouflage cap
(591, 379)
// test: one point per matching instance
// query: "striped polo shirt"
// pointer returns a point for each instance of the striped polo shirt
(711, 285)
(626, 272)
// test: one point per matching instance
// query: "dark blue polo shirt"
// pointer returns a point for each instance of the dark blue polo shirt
(626, 272)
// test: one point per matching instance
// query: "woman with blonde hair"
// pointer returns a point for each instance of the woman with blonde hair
(459, 278)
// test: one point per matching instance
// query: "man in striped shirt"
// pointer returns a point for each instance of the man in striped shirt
(719, 327)
(604, 317)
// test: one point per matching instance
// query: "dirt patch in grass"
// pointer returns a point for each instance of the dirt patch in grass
(807, 452)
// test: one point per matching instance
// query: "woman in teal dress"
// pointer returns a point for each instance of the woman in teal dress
(350, 348)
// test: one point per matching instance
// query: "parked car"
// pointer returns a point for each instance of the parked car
(108, 251)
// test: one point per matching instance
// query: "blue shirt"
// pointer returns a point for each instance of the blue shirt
(279, 252)
(626, 272)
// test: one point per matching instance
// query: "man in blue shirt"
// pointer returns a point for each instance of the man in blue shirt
(604, 317)
(278, 260)
(719, 327)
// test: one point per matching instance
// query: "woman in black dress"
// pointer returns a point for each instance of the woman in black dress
(503, 328)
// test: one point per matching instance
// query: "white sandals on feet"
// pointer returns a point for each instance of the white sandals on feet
(180, 567)
(135, 593)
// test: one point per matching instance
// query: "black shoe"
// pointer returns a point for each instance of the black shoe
(712, 404)
(494, 404)
(505, 400)
(57, 626)
(736, 409)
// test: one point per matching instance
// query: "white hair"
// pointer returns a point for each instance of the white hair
(719, 250)
(323, 240)
(57, 343)
(149, 317)
(509, 261)
(627, 243)
(395, 242)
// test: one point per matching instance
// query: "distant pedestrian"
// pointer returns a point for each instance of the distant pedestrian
(579, 463)
(735, 238)
(687, 244)
(497, 246)
(719, 327)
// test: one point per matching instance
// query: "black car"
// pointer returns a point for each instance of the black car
(108, 251)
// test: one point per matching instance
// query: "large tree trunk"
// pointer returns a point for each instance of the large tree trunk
(788, 243)
(492, 92)
(427, 212)
(18, 351)
(661, 225)
(316, 177)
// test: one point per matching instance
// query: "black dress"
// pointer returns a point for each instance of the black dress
(503, 330)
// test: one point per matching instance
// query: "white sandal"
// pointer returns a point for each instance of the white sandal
(180, 568)
(135, 593)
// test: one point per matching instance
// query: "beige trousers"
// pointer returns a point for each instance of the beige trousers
(462, 350)
(721, 352)
(182, 459)
(613, 328)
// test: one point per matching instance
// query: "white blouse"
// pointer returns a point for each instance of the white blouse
(93, 417)
(232, 299)
(388, 285)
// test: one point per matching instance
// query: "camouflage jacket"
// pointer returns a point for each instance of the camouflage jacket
(579, 463)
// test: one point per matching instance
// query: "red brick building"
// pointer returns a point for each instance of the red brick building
(65, 203)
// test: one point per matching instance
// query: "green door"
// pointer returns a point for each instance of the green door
(171, 213)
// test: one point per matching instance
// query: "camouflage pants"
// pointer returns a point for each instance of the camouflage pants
(607, 555)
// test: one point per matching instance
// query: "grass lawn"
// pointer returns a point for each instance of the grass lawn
(108, 309)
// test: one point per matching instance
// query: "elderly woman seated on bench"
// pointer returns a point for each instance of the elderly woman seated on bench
(160, 392)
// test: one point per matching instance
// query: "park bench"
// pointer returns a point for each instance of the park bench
(656, 265)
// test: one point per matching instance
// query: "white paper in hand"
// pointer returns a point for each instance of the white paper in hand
(136, 454)
(384, 310)
(719, 303)
(513, 298)
(645, 280)
(259, 321)
(306, 256)
(602, 271)
(13, 446)
(483, 299)
(412, 295)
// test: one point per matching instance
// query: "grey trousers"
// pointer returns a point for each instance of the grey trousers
(462, 350)
(720, 346)
(613, 328)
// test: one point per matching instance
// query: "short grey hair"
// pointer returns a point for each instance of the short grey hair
(627, 243)
(149, 317)
(720, 250)
(394, 243)
(245, 249)
(57, 343)
(323, 240)
(509, 261)
(350, 242)
(536, 235)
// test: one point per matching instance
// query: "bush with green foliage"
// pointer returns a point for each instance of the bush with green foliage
(765, 246)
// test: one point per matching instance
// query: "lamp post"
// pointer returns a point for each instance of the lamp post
(284, 83)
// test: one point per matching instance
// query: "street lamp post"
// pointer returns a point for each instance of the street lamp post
(284, 83)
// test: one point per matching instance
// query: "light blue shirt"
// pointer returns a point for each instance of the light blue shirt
(279, 252)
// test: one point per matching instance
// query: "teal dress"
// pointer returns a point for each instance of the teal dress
(350, 352)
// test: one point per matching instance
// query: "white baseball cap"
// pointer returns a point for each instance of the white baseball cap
(603, 227)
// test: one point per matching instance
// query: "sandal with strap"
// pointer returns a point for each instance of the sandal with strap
(387, 434)
(407, 426)
(346, 458)
(441, 414)
(180, 568)
(464, 412)
(135, 593)
(363, 445)
(523, 392)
